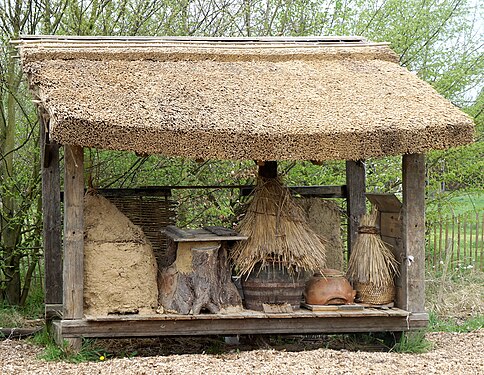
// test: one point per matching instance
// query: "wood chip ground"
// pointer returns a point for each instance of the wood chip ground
(453, 353)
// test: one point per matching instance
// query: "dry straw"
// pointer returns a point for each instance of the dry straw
(286, 102)
(278, 233)
(371, 260)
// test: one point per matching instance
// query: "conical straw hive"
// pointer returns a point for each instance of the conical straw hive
(277, 231)
(372, 266)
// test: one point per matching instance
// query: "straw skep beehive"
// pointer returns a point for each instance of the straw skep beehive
(278, 233)
(372, 266)
(271, 99)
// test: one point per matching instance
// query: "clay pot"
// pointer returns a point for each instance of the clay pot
(330, 288)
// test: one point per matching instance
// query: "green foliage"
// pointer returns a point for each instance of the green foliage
(413, 342)
(89, 352)
(10, 317)
(460, 168)
(18, 316)
(433, 38)
(443, 205)
(33, 308)
(305, 173)
(470, 201)
(384, 175)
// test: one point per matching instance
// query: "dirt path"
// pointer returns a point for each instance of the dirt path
(453, 353)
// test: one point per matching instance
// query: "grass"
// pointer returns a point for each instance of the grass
(11, 317)
(23, 316)
(456, 295)
(437, 324)
(457, 203)
(414, 343)
(455, 303)
(90, 351)
(467, 202)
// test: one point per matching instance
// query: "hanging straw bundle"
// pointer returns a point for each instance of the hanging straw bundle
(372, 265)
(278, 233)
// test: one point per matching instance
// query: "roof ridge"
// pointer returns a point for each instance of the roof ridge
(261, 39)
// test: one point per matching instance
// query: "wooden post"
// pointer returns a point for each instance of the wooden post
(413, 265)
(73, 236)
(477, 240)
(458, 239)
(356, 201)
(51, 219)
(268, 169)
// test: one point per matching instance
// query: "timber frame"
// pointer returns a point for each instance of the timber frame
(166, 114)
(64, 295)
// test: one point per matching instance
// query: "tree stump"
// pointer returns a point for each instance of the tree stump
(199, 279)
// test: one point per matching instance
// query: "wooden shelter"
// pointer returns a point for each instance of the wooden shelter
(308, 98)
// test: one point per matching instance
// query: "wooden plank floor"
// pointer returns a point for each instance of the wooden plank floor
(244, 322)
(252, 314)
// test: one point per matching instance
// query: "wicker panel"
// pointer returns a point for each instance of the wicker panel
(152, 214)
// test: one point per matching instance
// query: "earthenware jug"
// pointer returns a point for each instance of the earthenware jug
(329, 288)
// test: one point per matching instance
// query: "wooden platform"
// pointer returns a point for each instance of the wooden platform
(206, 234)
(244, 322)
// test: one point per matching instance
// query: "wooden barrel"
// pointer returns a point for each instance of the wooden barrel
(272, 284)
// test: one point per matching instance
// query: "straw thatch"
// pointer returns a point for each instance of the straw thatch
(277, 233)
(266, 100)
(371, 261)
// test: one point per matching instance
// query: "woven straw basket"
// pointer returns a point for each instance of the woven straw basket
(370, 293)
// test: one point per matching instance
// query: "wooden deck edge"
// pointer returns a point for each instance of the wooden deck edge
(154, 328)
(57, 332)
(417, 321)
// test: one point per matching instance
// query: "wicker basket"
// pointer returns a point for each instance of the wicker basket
(370, 293)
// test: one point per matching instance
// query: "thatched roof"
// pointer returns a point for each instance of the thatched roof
(263, 99)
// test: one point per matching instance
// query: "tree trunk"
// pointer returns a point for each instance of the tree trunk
(198, 280)
(10, 229)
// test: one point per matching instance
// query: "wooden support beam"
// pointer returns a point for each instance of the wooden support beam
(356, 200)
(413, 262)
(231, 326)
(151, 191)
(73, 235)
(337, 191)
(51, 210)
